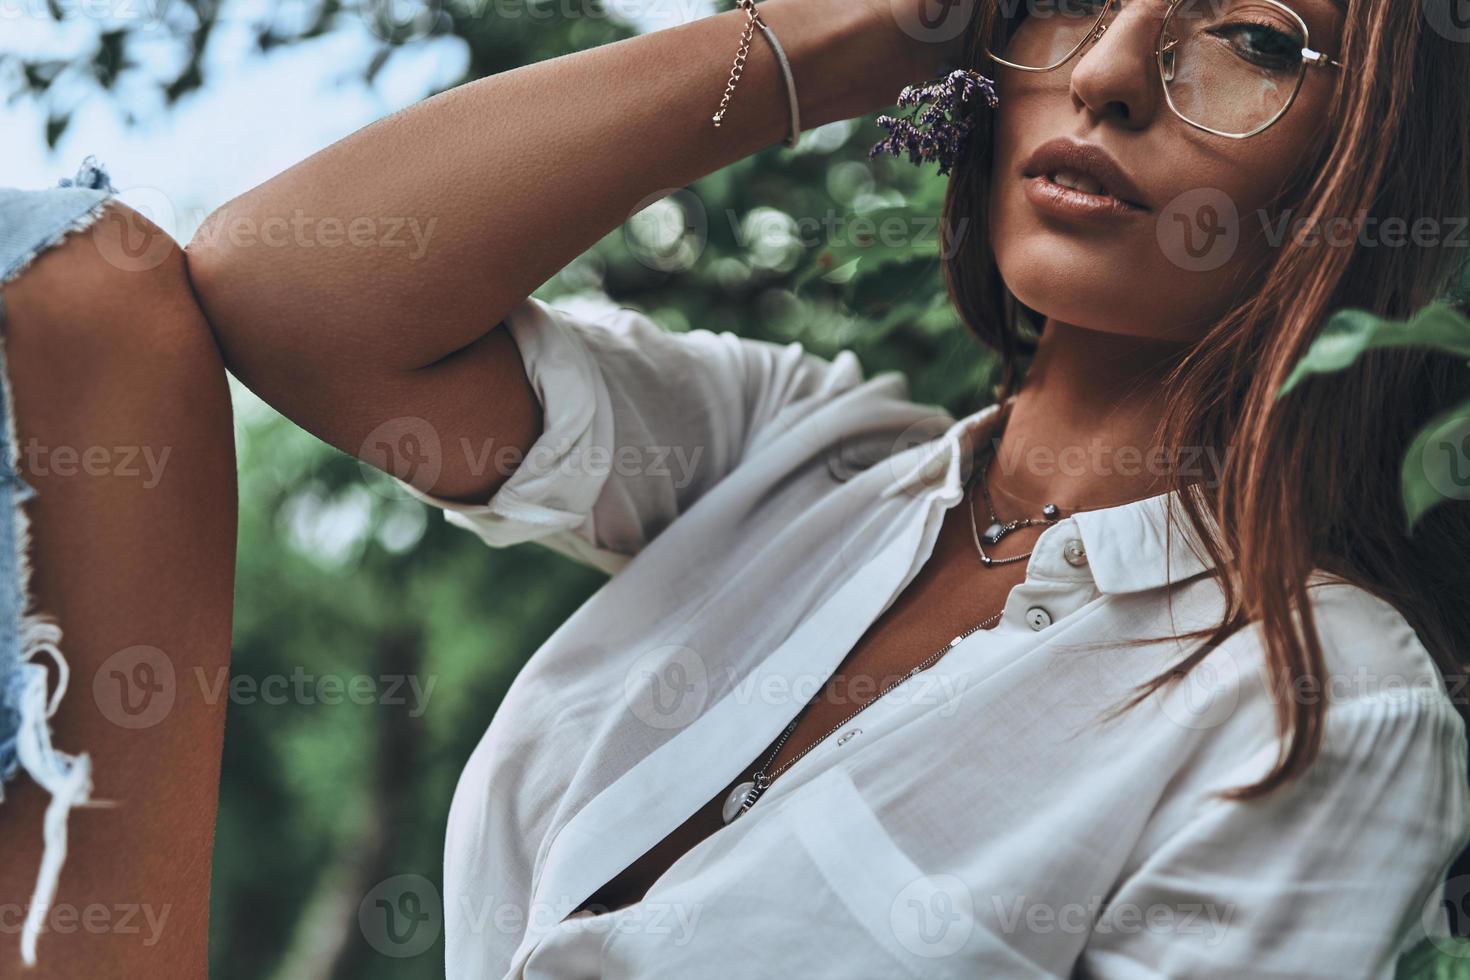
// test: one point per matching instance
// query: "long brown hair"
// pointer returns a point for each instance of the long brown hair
(1311, 481)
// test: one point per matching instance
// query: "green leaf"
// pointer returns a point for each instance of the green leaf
(1349, 333)
(884, 235)
(874, 240)
(1437, 465)
(830, 272)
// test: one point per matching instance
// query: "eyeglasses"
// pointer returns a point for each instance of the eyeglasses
(1232, 68)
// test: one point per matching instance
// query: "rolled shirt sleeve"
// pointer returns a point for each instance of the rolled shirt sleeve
(1323, 878)
(638, 423)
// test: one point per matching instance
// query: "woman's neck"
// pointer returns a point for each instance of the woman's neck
(1080, 432)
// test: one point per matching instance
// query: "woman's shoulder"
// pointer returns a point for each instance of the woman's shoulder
(1392, 736)
(1370, 649)
(1376, 669)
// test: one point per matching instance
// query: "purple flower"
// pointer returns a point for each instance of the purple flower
(944, 123)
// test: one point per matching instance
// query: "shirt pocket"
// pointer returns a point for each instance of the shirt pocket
(925, 921)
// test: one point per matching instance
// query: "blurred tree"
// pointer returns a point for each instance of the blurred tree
(342, 576)
(344, 580)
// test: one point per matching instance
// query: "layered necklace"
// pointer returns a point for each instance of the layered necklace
(998, 528)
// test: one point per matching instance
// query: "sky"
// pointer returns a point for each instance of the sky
(255, 115)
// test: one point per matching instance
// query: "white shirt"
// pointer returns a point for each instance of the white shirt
(757, 508)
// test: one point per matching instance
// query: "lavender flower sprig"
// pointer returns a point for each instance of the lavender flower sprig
(936, 132)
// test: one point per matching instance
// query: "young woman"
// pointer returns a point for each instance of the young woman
(1187, 708)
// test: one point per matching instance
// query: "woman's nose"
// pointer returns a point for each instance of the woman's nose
(1115, 76)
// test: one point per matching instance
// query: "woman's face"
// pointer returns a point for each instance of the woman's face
(1196, 215)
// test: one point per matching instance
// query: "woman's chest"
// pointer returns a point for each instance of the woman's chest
(952, 597)
(900, 658)
(610, 761)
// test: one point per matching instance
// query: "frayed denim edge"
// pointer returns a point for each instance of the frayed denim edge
(68, 778)
(91, 176)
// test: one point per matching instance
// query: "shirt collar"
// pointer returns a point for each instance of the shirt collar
(1130, 547)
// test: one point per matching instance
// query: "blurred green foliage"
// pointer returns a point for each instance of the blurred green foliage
(344, 580)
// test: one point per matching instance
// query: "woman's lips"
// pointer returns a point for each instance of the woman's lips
(1080, 201)
(1073, 178)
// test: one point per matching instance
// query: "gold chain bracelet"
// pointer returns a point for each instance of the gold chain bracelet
(752, 21)
(752, 17)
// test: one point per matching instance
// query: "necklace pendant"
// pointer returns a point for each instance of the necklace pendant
(735, 802)
(994, 533)
(1051, 512)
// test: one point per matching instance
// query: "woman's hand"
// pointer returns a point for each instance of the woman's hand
(926, 34)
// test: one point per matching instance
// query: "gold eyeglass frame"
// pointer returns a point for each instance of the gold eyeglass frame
(1310, 58)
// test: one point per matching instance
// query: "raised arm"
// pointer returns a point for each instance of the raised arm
(489, 189)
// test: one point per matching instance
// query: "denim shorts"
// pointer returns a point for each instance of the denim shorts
(32, 221)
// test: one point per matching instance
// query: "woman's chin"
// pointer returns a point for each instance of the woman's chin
(1108, 309)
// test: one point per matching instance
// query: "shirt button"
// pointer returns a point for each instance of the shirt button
(1075, 554)
(1039, 618)
(849, 736)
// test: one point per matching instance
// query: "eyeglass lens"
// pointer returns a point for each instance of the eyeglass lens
(1228, 65)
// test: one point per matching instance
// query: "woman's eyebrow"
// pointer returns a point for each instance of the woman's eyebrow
(1340, 6)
